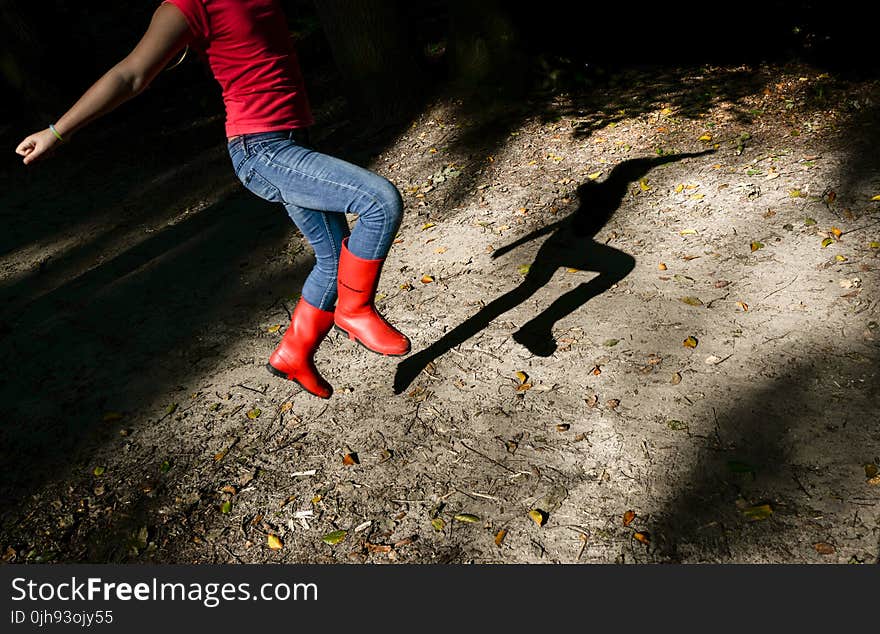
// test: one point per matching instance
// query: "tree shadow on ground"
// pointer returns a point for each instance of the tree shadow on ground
(798, 440)
(786, 446)
(113, 338)
(570, 244)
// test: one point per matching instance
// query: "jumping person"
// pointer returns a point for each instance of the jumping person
(248, 48)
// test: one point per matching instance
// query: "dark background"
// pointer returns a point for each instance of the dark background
(390, 54)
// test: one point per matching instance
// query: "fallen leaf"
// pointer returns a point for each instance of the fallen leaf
(690, 342)
(274, 542)
(524, 269)
(836, 232)
(220, 455)
(231, 490)
(874, 481)
(427, 279)
(523, 387)
(467, 518)
(824, 548)
(687, 232)
(827, 241)
(428, 225)
(610, 343)
(628, 517)
(795, 193)
(226, 507)
(757, 513)
(274, 328)
(377, 548)
(840, 258)
(613, 403)
(438, 524)
(661, 267)
(350, 459)
(743, 306)
(499, 537)
(756, 245)
(871, 470)
(676, 425)
(594, 175)
(874, 245)
(538, 516)
(522, 377)
(593, 400)
(254, 413)
(286, 407)
(406, 541)
(705, 137)
(440, 250)
(691, 301)
(643, 537)
(809, 222)
(99, 471)
(676, 378)
(563, 427)
(165, 467)
(643, 184)
(596, 370)
(875, 198)
(334, 538)
(385, 455)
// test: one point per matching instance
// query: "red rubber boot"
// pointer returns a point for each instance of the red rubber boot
(356, 314)
(294, 357)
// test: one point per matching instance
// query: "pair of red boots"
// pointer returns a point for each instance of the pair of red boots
(355, 315)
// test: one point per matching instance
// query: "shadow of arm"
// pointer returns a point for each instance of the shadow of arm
(537, 233)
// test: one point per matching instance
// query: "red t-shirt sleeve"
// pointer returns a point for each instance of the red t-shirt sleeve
(196, 17)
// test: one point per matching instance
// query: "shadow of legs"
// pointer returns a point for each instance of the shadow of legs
(410, 368)
(613, 265)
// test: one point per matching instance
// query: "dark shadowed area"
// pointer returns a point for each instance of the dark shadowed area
(587, 189)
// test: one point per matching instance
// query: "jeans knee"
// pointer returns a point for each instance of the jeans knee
(389, 203)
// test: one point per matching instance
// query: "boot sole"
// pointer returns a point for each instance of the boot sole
(360, 343)
(283, 375)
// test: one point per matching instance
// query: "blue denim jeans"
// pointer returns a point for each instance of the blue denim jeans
(318, 190)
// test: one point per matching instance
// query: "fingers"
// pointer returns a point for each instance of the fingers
(25, 147)
(30, 153)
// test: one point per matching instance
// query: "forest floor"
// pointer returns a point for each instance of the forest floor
(675, 360)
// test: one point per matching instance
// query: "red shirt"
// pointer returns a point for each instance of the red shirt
(249, 50)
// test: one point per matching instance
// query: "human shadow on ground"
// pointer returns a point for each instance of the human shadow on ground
(571, 244)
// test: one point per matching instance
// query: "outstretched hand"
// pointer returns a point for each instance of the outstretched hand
(35, 146)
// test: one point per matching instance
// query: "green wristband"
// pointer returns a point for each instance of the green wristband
(55, 132)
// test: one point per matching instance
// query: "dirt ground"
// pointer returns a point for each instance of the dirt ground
(644, 319)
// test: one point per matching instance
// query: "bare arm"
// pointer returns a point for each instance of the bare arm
(167, 34)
